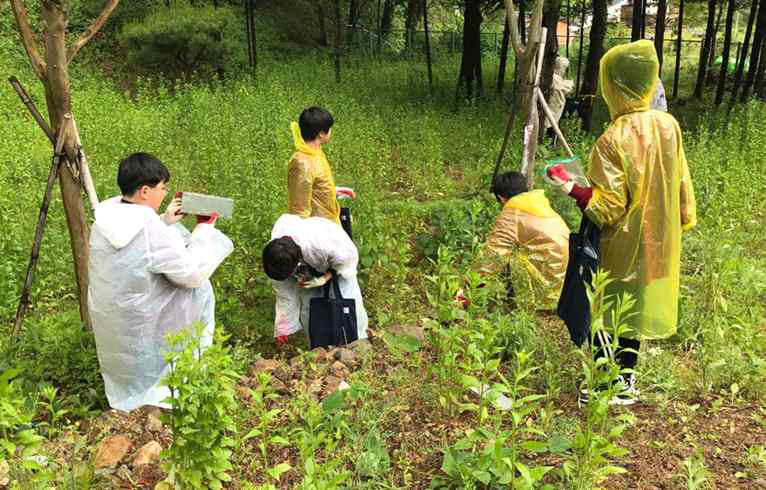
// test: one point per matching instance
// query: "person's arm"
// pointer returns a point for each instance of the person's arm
(300, 185)
(688, 203)
(187, 266)
(500, 243)
(342, 254)
(610, 194)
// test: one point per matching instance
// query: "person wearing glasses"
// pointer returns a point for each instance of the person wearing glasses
(149, 277)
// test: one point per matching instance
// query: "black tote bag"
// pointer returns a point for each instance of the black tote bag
(332, 321)
(573, 305)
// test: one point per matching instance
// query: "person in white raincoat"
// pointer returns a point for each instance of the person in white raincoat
(298, 259)
(149, 277)
(559, 89)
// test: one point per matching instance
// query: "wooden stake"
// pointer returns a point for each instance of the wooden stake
(32, 109)
(85, 177)
(21, 311)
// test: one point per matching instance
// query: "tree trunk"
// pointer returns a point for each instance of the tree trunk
(743, 55)
(353, 13)
(659, 30)
(760, 90)
(503, 58)
(470, 64)
(725, 54)
(550, 21)
(579, 55)
(595, 52)
(57, 96)
(322, 18)
(388, 16)
(714, 41)
(428, 46)
(338, 38)
(643, 18)
(758, 38)
(523, 20)
(679, 36)
(705, 50)
(635, 32)
(411, 20)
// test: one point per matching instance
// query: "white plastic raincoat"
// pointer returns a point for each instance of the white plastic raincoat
(147, 280)
(659, 101)
(324, 246)
(642, 191)
(560, 88)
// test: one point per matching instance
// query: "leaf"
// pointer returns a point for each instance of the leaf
(277, 471)
(334, 401)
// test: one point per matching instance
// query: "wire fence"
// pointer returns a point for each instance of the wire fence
(447, 45)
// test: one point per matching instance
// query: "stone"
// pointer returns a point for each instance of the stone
(340, 370)
(153, 421)
(283, 373)
(279, 386)
(319, 354)
(296, 363)
(331, 384)
(314, 388)
(111, 451)
(361, 347)
(411, 330)
(5, 470)
(264, 365)
(123, 473)
(147, 454)
(349, 358)
(244, 392)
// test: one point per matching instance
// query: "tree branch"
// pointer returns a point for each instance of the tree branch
(92, 29)
(28, 37)
(513, 23)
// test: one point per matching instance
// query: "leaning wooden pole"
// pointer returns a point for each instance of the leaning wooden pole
(21, 311)
(338, 36)
(679, 41)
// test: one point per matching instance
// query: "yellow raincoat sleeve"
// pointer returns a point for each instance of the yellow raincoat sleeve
(688, 203)
(300, 185)
(610, 190)
(500, 244)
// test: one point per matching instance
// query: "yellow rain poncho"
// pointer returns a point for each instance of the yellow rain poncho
(310, 184)
(531, 233)
(642, 191)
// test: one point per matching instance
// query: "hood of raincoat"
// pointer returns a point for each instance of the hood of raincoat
(531, 202)
(628, 77)
(120, 222)
(300, 144)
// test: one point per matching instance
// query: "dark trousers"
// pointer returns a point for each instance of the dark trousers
(625, 359)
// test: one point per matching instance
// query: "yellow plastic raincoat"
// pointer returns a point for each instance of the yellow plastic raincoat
(531, 233)
(642, 191)
(310, 183)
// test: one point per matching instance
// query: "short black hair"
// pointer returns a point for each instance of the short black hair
(138, 170)
(280, 258)
(313, 121)
(509, 184)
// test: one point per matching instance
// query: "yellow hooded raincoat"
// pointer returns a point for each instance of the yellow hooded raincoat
(529, 231)
(310, 183)
(642, 191)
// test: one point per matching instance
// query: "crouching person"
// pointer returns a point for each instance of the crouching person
(149, 277)
(529, 234)
(299, 259)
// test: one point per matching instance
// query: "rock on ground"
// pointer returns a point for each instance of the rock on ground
(111, 451)
(147, 454)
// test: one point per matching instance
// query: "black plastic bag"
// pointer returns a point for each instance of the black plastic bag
(332, 321)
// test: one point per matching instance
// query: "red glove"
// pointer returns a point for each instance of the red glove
(582, 195)
(559, 172)
(208, 220)
(281, 340)
(460, 298)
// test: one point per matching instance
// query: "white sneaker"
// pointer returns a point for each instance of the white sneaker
(627, 396)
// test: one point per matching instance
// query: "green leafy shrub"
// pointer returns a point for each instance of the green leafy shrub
(17, 439)
(202, 387)
(181, 40)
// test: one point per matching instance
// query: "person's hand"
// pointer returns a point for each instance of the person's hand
(172, 214)
(558, 177)
(207, 220)
(281, 340)
(316, 281)
(460, 298)
(345, 193)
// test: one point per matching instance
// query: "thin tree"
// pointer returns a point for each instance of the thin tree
(713, 42)
(679, 36)
(551, 14)
(579, 54)
(469, 77)
(53, 73)
(635, 32)
(725, 54)
(322, 18)
(503, 58)
(755, 57)
(659, 30)
(743, 55)
(338, 38)
(595, 52)
(412, 18)
(428, 46)
(387, 17)
(705, 50)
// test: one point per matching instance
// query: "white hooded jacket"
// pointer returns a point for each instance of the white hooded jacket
(147, 280)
